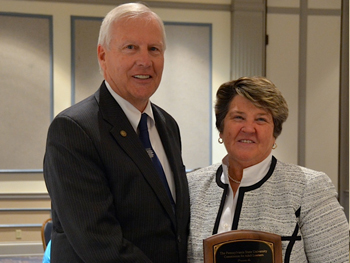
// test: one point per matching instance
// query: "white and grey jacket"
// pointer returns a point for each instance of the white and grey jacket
(297, 203)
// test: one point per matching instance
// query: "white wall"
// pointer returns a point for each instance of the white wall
(282, 67)
(303, 60)
(62, 13)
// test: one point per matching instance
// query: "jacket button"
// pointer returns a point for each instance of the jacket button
(179, 239)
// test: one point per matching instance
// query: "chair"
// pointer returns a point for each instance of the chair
(46, 230)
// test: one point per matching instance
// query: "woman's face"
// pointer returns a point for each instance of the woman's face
(248, 133)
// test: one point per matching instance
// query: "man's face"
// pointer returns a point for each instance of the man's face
(133, 63)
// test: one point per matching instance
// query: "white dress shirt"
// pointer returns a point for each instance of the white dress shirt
(134, 117)
(251, 175)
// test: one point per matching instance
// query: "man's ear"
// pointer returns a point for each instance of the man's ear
(101, 53)
(101, 56)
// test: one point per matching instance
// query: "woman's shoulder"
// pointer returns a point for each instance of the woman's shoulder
(207, 171)
(304, 175)
(202, 176)
(294, 169)
(203, 188)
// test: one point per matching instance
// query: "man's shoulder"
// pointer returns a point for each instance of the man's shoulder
(163, 115)
(161, 112)
(85, 106)
(81, 106)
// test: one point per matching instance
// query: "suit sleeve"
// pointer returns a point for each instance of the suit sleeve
(81, 198)
(323, 223)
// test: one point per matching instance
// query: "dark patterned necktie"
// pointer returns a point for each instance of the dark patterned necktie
(144, 137)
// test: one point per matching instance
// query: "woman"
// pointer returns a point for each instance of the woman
(252, 190)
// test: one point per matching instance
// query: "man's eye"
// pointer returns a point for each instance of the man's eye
(130, 47)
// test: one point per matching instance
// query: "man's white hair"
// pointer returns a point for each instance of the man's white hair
(130, 10)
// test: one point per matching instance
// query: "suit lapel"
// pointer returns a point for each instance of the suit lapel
(127, 139)
(168, 140)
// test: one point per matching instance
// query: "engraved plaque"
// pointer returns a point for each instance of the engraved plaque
(243, 246)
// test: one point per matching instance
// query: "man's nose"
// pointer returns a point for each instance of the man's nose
(144, 58)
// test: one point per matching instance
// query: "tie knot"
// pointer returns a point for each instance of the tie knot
(143, 122)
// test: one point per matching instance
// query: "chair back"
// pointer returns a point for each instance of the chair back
(46, 230)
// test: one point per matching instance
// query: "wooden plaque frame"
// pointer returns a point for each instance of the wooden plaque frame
(243, 246)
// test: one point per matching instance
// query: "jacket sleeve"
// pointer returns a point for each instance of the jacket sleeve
(83, 213)
(323, 224)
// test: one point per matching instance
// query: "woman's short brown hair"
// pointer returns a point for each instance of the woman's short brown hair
(260, 91)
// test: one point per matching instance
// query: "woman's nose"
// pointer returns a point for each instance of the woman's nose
(248, 128)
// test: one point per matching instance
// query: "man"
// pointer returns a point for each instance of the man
(108, 201)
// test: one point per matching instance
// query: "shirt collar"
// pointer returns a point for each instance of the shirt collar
(133, 114)
(251, 175)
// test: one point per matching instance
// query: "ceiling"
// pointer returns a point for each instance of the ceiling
(181, 4)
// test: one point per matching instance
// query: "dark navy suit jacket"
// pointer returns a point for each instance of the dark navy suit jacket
(108, 204)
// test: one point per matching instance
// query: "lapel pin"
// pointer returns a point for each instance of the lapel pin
(123, 133)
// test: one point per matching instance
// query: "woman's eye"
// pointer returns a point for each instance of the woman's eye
(261, 120)
(238, 117)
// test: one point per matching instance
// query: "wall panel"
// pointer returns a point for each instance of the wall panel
(86, 77)
(185, 90)
(322, 95)
(282, 69)
(26, 88)
(307, 61)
